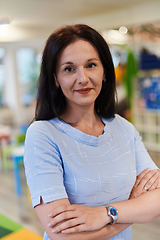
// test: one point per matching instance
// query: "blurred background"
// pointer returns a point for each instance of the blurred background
(132, 30)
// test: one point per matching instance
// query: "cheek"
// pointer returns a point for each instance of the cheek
(66, 84)
(100, 73)
(99, 76)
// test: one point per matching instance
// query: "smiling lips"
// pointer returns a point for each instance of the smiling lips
(83, 90)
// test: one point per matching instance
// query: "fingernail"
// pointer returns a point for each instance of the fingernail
(54, 230)
(49, 215)
(49, 224)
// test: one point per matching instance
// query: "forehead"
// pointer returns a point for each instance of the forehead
(79, 49)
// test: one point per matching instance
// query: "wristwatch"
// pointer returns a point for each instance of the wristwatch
(113, 213)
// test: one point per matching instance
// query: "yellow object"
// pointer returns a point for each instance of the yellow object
(119, 72)
(24, 234)
(29, 195)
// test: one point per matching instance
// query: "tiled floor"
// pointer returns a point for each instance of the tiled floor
(20, 210)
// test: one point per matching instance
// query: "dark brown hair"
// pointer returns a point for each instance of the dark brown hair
(51, 101)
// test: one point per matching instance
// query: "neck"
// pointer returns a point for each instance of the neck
(76, 115)
(86, 120)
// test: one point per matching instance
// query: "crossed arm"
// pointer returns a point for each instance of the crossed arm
(61, 220)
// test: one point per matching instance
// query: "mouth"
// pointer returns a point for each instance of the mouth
(83, 90)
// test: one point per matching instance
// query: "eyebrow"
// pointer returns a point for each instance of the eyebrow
(89, 60)
(67, 63)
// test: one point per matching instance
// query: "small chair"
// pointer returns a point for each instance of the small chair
(5, 134)
(4, 140)
(7, 163)
(17, 156)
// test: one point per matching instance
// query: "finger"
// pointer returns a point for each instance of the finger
(61, 209)
(79, 228)
(62, 217)
(140, 176)
(158, 171)
(69, 226)
(154, 186)
(150, 179)
(147, 178)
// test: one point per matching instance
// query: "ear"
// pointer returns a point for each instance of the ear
(56, 81)
(104, 75)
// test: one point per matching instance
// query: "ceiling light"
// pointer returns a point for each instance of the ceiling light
(123, 30)
(115, 37)
(3, 29)
(4, 23)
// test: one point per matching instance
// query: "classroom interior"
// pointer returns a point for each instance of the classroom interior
(132, 30)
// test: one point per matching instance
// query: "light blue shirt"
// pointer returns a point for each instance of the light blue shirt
(63, 162)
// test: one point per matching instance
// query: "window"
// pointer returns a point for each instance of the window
(2, 74)
(28, 72)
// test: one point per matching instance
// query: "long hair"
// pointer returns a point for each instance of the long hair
(51, 101)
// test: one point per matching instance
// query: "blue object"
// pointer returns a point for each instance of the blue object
(16, 162)
(148, 61)
(17, 156)
(149, 90)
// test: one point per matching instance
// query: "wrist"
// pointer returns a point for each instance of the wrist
(105, 217)
(112, 214)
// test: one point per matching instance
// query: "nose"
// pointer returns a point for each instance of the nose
(82, 77)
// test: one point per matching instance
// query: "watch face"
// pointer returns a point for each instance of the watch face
(113, 211)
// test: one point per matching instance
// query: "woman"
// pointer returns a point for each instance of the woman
(79, 155)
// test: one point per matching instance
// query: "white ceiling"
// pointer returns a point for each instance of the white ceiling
(36, 19)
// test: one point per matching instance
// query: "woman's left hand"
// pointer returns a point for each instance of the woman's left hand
(78, 218)
(146, 181)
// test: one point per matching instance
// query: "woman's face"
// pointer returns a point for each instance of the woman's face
(80, 74)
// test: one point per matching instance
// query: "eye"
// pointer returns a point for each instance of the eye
(91, 65)
(69, 69)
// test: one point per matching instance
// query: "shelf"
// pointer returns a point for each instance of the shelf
(152, 147)
(147, 117)
(147, 129)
